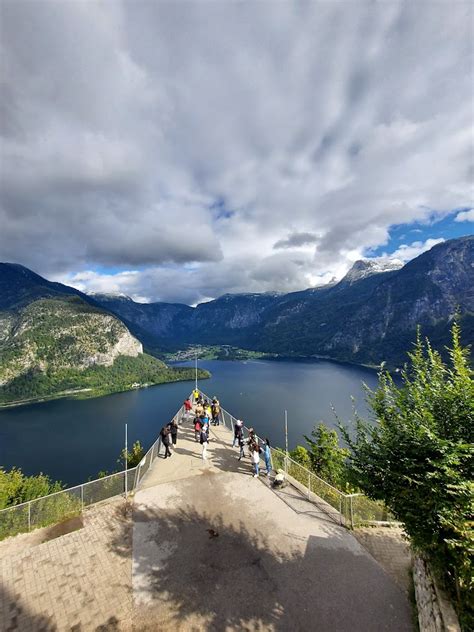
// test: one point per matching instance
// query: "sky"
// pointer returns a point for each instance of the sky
(177, 150)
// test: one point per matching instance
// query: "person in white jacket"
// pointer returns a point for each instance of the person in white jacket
(204, 441)
(256, 458)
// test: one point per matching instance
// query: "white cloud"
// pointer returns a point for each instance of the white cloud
(186, 141)
(409, 251)
(465, 216)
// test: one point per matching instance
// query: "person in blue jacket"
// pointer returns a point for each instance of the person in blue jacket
(267, 455)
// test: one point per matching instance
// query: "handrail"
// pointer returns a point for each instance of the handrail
(345, 500)
(69, 489)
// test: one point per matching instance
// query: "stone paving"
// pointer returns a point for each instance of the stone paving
(79, 582)
(277, 562)
(391, 549)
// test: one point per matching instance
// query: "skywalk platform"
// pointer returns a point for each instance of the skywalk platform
(204, 546)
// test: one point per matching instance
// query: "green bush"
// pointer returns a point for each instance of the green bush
(418, 458)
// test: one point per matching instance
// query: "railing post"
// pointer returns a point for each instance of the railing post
(29, 516)
(352, 513)
(340, 509)
(82, 497)
(309, 485)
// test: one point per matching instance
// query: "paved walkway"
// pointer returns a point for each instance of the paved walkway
(208, 547)
(77, 582)
(215, 549)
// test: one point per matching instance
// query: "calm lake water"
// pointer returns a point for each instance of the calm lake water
(72, 440)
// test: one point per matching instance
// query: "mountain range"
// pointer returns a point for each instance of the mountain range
(370, 316)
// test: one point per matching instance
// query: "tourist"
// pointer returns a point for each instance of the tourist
(241, 441)
(174, 433)
(238, 431)
(204, 441)
(252, 438)
(197, 429)
(267, 455)
(196, 394)
(199, 409)
(165, 439)
(255, 454)
(187, 406)
(215, 410)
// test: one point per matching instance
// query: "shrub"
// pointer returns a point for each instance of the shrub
(419, 459)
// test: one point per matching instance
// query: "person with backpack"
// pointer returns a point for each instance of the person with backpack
(204, 441)
(238, 432)
(165, 440)
(197, 429)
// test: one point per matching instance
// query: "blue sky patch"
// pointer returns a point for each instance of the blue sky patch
(445, 228)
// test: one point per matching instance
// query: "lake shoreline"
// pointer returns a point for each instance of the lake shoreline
(85, 393)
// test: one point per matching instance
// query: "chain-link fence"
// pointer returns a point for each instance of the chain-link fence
(351, 510)
(63, 505)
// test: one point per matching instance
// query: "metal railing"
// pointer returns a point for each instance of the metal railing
(351, 510)
(348, 509)
(145, 464)
(67, 503)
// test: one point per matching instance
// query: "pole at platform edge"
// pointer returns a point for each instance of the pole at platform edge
(286, 441)
(126, 462)
(196, 370)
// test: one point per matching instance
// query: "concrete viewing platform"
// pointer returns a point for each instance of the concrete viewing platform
(203, 546)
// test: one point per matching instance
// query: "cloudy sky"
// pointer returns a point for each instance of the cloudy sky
(179, 150)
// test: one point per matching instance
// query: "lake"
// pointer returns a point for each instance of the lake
(72, 440)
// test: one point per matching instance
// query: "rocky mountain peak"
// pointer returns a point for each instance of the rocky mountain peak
(363, 268)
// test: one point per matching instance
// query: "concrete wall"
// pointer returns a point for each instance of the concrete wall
(435, 613)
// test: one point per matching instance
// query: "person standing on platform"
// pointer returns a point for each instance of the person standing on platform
(197, 429)
(255, 453)
(237, 432)
(174, 433)
(241, 441)
(204, 441)
(187, 406)
(215, 410)
(165, 440)
(196, 394)
(267, 455)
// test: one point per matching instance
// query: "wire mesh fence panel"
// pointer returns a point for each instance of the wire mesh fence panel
(155, 449)
(278, 459)
(364, 510)
(13, 520)
(326, 492)
(55, 508)
(104, 488)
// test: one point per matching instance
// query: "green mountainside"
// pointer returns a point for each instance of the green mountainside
(62, 345)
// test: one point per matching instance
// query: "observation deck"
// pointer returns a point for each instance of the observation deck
(202, 545)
